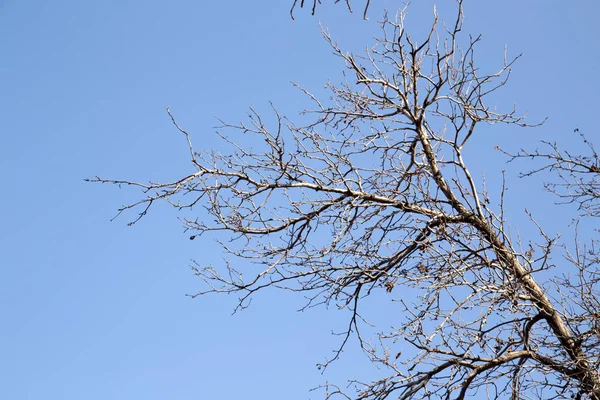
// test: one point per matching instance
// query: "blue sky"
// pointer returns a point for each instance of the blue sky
(93, 309)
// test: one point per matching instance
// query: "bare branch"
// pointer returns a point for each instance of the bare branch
(375, 197)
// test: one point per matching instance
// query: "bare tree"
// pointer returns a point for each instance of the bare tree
(381, 173)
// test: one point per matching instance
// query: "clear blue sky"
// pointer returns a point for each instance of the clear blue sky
(92, 309)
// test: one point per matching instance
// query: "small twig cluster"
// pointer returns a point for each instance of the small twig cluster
(315, 2)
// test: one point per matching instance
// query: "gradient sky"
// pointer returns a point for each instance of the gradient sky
(93, 309)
